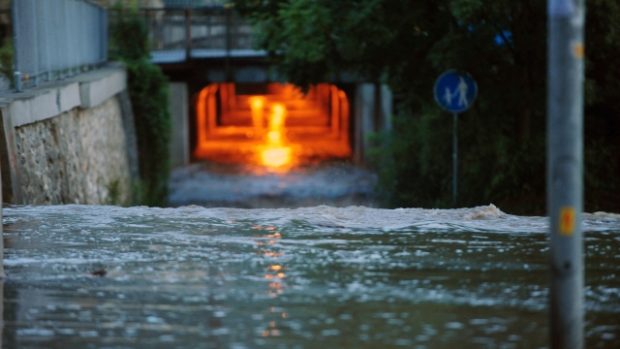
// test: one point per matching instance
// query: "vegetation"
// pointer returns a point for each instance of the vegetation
(6, 59)
(6, 53)
(502, 43)
(148, 90)
(114, 192)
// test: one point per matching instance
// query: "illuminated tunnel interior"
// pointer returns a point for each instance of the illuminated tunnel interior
(274, 125)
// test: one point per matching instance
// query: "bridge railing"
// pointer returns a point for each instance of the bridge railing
(179, 34)
(55, 39)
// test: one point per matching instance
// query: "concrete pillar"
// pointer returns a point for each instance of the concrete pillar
(386, 107)
(2, 275)
(1, 257)
(366, 119)
(179, 112)
(364, 123)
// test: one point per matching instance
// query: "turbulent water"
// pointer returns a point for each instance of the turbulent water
(212, 184)
(320, 277)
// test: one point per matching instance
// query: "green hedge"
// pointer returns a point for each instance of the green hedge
(148, 90)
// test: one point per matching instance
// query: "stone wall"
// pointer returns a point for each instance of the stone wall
(70, 143)
(76, 157)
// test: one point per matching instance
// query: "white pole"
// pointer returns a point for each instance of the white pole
(565, 170)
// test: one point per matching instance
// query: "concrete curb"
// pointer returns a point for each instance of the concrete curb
(86, 90)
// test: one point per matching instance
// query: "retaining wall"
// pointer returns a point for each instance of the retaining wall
(71, 142)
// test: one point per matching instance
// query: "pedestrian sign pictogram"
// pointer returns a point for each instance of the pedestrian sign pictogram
(455, 91)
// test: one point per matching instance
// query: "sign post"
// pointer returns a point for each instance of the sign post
(565, 170)
(455, 92)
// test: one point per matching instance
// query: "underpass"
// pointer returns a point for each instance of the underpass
(215, 70)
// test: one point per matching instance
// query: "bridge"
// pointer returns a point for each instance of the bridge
(210, 57)
(179, 35)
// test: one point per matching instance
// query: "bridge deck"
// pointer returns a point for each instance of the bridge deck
(180, 55)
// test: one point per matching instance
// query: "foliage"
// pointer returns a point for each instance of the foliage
(114, 192)
(6, 59)
(148, 90)
(502, 43)
(128, 35)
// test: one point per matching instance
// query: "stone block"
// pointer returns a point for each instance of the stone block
(99, 86)
(33, 107)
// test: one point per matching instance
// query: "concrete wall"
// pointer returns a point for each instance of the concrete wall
(179, 113)
(71, 142)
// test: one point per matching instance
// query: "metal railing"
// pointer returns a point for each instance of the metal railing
(193, 3)
(159, 3)
(55, 39)
(200, 32)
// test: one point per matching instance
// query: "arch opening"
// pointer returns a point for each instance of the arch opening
(272, 125)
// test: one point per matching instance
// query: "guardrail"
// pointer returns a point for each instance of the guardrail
(55, 39)
(198, 32)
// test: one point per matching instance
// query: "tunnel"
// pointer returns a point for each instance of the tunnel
(274, 125)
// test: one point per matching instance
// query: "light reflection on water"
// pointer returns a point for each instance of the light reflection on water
(267, 246)
(313, 278)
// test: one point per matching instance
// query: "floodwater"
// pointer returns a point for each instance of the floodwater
(213, 184)
(315, 277)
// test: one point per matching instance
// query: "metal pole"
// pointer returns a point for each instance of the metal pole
(455, 157)
(228, 45)
(565, 170)
(17, 76)
(188, 34)
(36, 68)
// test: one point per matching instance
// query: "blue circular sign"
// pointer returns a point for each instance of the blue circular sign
(455, 91)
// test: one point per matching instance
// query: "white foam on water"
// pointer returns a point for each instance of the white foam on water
(476, 219)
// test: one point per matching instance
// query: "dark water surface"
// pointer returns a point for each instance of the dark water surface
(318, 277)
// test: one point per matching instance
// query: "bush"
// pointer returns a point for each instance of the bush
(414, 163)
(6, 59)
(503, 45)
(148, 90)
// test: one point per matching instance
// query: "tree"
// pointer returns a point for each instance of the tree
(406, 44)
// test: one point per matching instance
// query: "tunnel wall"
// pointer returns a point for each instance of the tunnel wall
(71, 142)
(179, 112)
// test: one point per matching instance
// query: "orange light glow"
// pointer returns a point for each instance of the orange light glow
(274, 137)
(272, 254)
(275, 235)
(276, 154)
(272, 330)
(276, 267)
(278, 275)
(275, 287)
(276, 157)
(278, 129)
(257, 105)
(278, 113)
